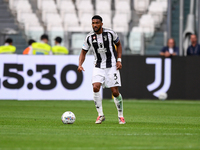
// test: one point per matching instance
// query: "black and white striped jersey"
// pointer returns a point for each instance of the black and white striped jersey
(103, 46)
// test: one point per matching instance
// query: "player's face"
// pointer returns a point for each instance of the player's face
(96, 25)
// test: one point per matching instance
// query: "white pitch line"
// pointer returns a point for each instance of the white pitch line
(150, 134)
(102, 148)
(131, 134)
(160, 102)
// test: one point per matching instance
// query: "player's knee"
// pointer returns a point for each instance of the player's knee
(96, 88)
(115, 93)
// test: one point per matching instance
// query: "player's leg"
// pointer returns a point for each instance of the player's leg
(97, 80)
(98, 102)
(98, 98)
(118, 100)
(119, 103)
(114, 81)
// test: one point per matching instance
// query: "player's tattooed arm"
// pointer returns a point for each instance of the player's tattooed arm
(119, 55)
(81, 60)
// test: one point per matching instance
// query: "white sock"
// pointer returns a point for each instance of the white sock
(98, 103)
(119, 104)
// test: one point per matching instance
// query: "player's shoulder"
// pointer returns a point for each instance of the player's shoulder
(109, 30)
(89, 34)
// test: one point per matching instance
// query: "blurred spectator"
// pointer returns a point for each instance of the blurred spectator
(58, 49)
(170, 49)
(194, 48)
(7, 48)
(26, 51)
(41, 48)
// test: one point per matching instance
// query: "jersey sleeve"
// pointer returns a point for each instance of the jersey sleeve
(86, 44)
(115, 37)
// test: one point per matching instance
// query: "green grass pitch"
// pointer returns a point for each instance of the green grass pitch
(37, 125)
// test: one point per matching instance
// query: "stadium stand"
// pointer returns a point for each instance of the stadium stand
(8, 24)
(51, 19)
(61, 4)
(156, 12)
(136, 40)
(122, 6)
(26, 18)
(85, 20)
(85, 13)
(71, 20)
(120, 22)
(152, 24)
(72, 25)
(147, 23)
(69, 13)
(77, 42)
(141, 6)
(122, 16)
(163, 3)
(103, 7)
(175, 18)
(17, 6)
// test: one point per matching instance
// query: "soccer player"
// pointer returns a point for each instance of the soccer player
(107, 65)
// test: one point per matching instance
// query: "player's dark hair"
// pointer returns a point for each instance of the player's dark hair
(44, 37)
(8, 40)
(97, 17)
(31, 41)
(58, 39)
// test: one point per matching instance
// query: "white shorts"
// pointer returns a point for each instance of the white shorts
(108, 77)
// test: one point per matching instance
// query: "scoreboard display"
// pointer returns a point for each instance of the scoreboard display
(25, 77)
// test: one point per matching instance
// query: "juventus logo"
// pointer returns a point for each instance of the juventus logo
(158, 75)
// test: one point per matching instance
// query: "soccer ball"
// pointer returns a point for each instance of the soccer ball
(162, 96)
(68, 117)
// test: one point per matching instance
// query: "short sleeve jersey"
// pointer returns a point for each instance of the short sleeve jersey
(103, 46)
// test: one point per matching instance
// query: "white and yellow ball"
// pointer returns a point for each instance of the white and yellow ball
(68, 117)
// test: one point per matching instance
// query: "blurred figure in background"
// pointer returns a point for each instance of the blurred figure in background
(7, 48)
(194, 48)
(30, 42)
(170, 49)
(41, 48)
(58, 49)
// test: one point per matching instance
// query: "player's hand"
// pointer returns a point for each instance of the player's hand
(80, 68)
(119, 65)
